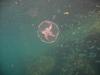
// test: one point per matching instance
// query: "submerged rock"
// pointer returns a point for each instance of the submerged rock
(43, 66)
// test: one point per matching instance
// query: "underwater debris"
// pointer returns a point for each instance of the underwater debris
(98, 48)
(81, 65)
(77, 49)
(82, 55)
(91, 47)
(92, 55)
(66, 13)
(85, 51)
(98, 61)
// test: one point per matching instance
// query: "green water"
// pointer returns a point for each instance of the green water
(22, 51)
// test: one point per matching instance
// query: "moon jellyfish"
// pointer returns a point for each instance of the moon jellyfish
(48, 31)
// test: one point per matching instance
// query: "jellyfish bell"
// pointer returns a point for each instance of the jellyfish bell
(48, 31)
